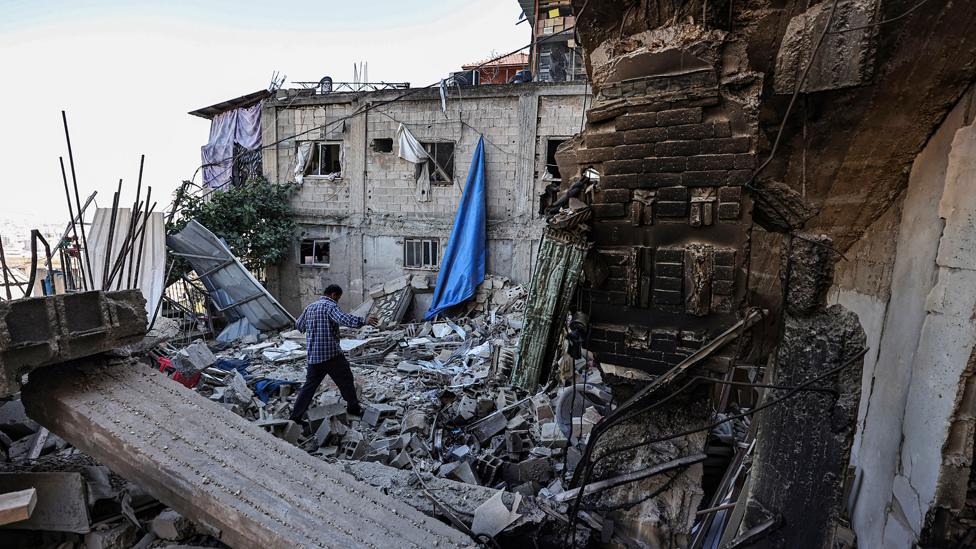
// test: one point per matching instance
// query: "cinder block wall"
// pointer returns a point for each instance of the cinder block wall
(372, 208)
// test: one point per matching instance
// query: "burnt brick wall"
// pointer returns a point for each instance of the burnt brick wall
(671, 220)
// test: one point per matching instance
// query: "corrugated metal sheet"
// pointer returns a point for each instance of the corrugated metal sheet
(152, 268)
(233, 287)
(231, 104)
(557, 273)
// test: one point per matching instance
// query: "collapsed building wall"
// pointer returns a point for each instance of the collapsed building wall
(907, 279)
(366, 213)
(845, 137)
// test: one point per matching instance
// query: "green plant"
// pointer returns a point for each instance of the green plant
(254, 220)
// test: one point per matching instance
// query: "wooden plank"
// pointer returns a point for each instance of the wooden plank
(17, 506)
(248, 488)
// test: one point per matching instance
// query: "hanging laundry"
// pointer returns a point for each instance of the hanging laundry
(413, 151)
(241, 126)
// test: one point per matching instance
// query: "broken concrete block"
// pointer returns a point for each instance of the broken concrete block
(377, 292)
(467, 408)
(518, 442)
(420, 283)
(459, 471)
(517, 423)
(530, 488)
(40, 331)
(284, 429)
(538, 469)
(405, 367)
(389, 427)
(376, 412)
(193, 358)
(488, 468)
(401, 461)
(170, 525)
(396, 284)
(845, 58)
(552, 436)
(238, 386)
(460, 453)
(489, 427)
(14, 421)
(542, 408)
(485, 406)
(505, 398)
(353, 445)
(119, 536)
(414, 421)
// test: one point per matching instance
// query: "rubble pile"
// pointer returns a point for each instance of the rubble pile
(437, 401)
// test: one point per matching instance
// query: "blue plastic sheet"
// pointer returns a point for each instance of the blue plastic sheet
(265, 387)
(463, 264)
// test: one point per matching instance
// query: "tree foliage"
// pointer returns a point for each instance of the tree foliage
(254, 219)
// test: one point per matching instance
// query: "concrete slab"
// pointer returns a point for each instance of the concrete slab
(217, 469)
(39, 331)
(62, 502)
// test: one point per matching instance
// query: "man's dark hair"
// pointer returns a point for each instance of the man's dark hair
(333, 289)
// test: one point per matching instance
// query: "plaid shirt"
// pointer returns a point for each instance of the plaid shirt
(320, 322)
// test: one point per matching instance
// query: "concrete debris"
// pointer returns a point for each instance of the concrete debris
(193, 358)
(242, 486)
(170, 525)
(39, 331)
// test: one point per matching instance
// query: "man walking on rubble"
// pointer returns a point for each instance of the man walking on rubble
(320, 322)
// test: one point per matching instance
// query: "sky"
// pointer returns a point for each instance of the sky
(127, 73)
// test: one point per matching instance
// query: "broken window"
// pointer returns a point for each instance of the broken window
(326, 160)
(383, 145)
(442, 167)
(420, 253)
(315, 252)
(551, 166)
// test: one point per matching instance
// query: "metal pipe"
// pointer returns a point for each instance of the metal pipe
(135, 219)
(142, 237)
(3, 264)
(67, 196)
(127, 246)
(74, 181)
(111, 236)
(118, 266)
(36, 234)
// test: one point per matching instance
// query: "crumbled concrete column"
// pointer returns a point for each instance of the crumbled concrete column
(804, 443)
(39, 331)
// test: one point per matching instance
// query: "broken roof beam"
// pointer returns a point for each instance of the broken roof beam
(40, 331)
(212, 466)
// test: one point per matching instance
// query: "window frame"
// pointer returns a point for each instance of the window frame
(435, 176)
(315, 242)
(545, 161)
(427, 246)
(315, 163)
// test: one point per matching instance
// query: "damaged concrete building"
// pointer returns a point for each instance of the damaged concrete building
(746, 321)
(366, 217)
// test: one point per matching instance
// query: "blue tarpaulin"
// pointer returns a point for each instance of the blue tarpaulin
(463, 264)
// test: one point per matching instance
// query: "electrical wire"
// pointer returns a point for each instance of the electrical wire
(882, 22)
(372, 106)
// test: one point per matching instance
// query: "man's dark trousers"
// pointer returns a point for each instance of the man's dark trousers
(337, 368)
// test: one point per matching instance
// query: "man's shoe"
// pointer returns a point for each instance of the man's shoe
(357, 411)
